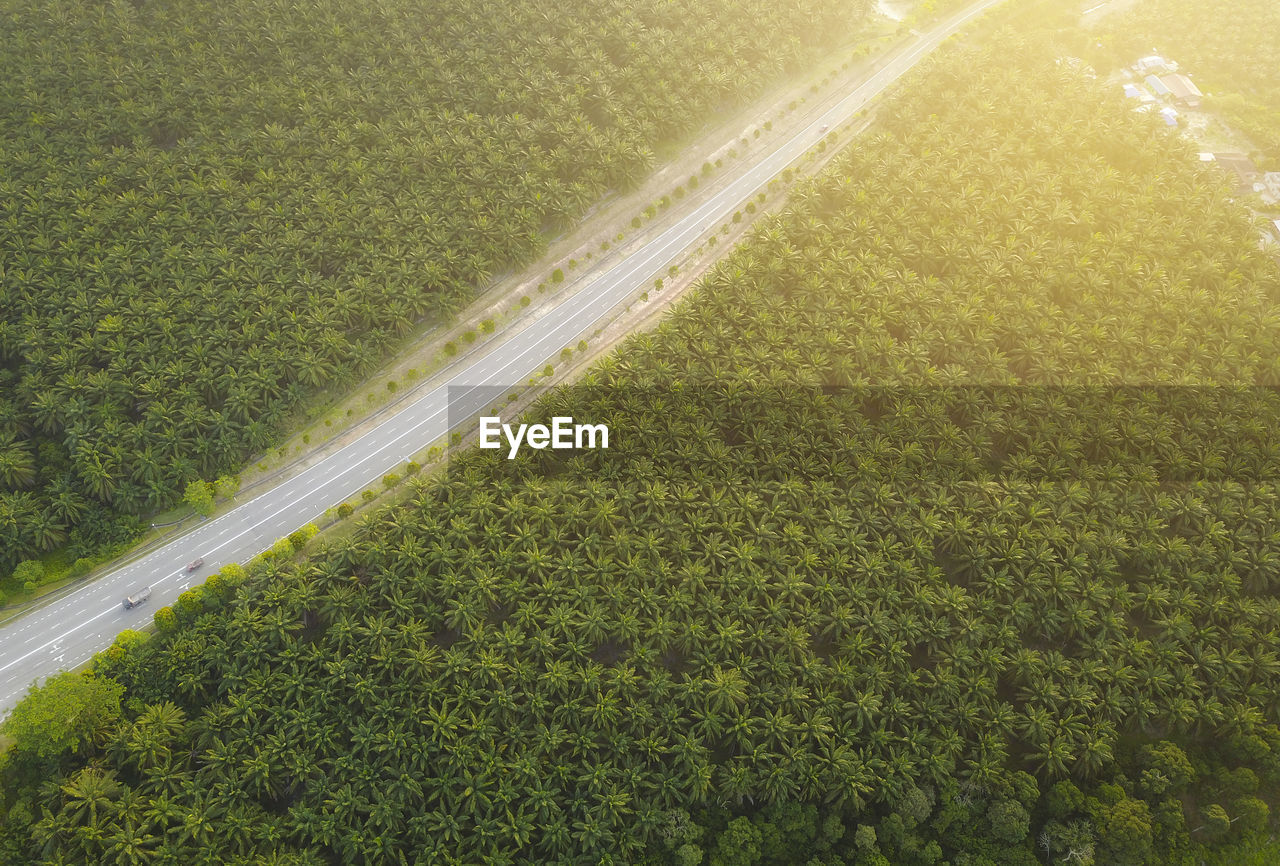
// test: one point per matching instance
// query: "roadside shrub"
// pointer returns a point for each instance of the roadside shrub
(30, 571)
(232, 574)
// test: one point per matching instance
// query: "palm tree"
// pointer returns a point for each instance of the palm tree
(91, 796)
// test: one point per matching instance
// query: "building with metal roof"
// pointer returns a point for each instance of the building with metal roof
(1183, 89)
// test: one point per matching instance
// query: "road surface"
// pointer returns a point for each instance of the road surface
(67, 632)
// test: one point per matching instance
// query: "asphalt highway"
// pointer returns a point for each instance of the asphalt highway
(67, 632)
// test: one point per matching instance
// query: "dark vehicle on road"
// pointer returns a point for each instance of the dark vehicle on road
(196, 564)
(137, 598)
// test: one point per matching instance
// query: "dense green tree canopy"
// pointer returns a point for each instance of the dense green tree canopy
(953, 483)
(62, 714)
(208, 210)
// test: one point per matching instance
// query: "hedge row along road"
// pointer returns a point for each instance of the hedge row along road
(67, 632)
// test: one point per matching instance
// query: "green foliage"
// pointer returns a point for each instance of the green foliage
(885, 534)
(199, 495)
(190, 604)
(1216, 821)
(1063, 800)
(29, 571)
(226, 486)
(62, 715)
(165, 620)
(1009, 820)
(1166, 769)
(1124, 831)
(81, 567)
(1258, 850)
(238, 208)
(738, 845)
(688, 854)
(344, 510)
(1251, 815)
(233, 574)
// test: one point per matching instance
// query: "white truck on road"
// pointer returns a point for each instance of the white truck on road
(137, 598)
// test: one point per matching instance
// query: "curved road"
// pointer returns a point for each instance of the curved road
(67, 632)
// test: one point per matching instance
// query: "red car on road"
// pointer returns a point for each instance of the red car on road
(194, 565)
